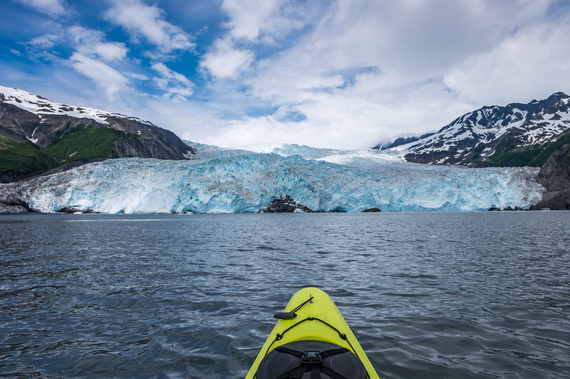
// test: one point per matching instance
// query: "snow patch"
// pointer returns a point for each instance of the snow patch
(40, 105)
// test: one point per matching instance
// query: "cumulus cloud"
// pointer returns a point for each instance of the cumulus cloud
(100, 73)
(372, 71)
(355, 116)
(333, 73)
(173, 83)
(146, 21)
(251, 22)
(528, 65)
(251, 18)
(225, 61)
(50, 7)
(418, 38)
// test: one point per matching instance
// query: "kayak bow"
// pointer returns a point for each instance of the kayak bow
(317, 338)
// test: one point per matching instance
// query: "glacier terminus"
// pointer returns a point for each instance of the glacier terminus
(220, 180)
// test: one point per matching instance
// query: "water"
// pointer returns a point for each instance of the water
(428, 295)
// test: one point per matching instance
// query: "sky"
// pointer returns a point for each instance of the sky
(341, 74)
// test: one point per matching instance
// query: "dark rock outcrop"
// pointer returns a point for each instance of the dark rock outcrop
(509, 208)
(374, 209)
(285, 204)
(554, 175)
(72, 210)
(12, 205)
(12, 209)
(12, 175)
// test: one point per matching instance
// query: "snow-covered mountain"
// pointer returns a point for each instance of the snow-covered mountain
(41, 106)
(229, 180)
(37, 134)
(513, 135)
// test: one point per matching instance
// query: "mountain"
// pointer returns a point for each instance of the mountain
(513, 135)
(37, 135)
(400, 141)
(241, 181)
(554, 175)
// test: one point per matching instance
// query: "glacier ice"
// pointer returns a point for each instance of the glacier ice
(231, 180)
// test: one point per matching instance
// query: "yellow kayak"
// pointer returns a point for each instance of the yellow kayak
(311, 340)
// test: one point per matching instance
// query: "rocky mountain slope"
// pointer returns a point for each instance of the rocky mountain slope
(513, 135)
(37, 135)
(554, 175)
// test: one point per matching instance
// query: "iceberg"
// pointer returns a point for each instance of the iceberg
(220, 180)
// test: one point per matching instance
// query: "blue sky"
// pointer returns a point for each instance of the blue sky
(327, 73)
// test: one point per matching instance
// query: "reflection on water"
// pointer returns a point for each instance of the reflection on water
(441, 295)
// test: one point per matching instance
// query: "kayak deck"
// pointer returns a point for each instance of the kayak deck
(317, 319)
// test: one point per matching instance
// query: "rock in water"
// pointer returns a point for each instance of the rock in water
(374, 209)
(286, 204)
(73, 210)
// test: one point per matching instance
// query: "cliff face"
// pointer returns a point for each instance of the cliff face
(555, 177)
(38, 135)
(136, 139)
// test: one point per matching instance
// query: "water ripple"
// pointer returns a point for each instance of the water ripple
(442, 295)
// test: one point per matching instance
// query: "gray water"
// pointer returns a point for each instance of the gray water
(428, 295)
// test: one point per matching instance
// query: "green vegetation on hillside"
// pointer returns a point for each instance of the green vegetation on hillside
(89, 143)
(24, 156)
(72, 144)
(535, 156)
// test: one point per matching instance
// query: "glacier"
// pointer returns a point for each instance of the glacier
(223, 180)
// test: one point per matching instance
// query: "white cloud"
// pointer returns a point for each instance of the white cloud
(137, 76)
(42, 48)
(92, 57)
(110, 51)
(371, 71)
(173, 83)
(50, 7)
(250, 22)
(91, 43)
(101, 74)
(195, 121)
(225, 61)
(148, 21)
(419, 38)
(356, 116)
(44, 42)
(318, 82)
(251, 18)
(531, 64)
(341, 73)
